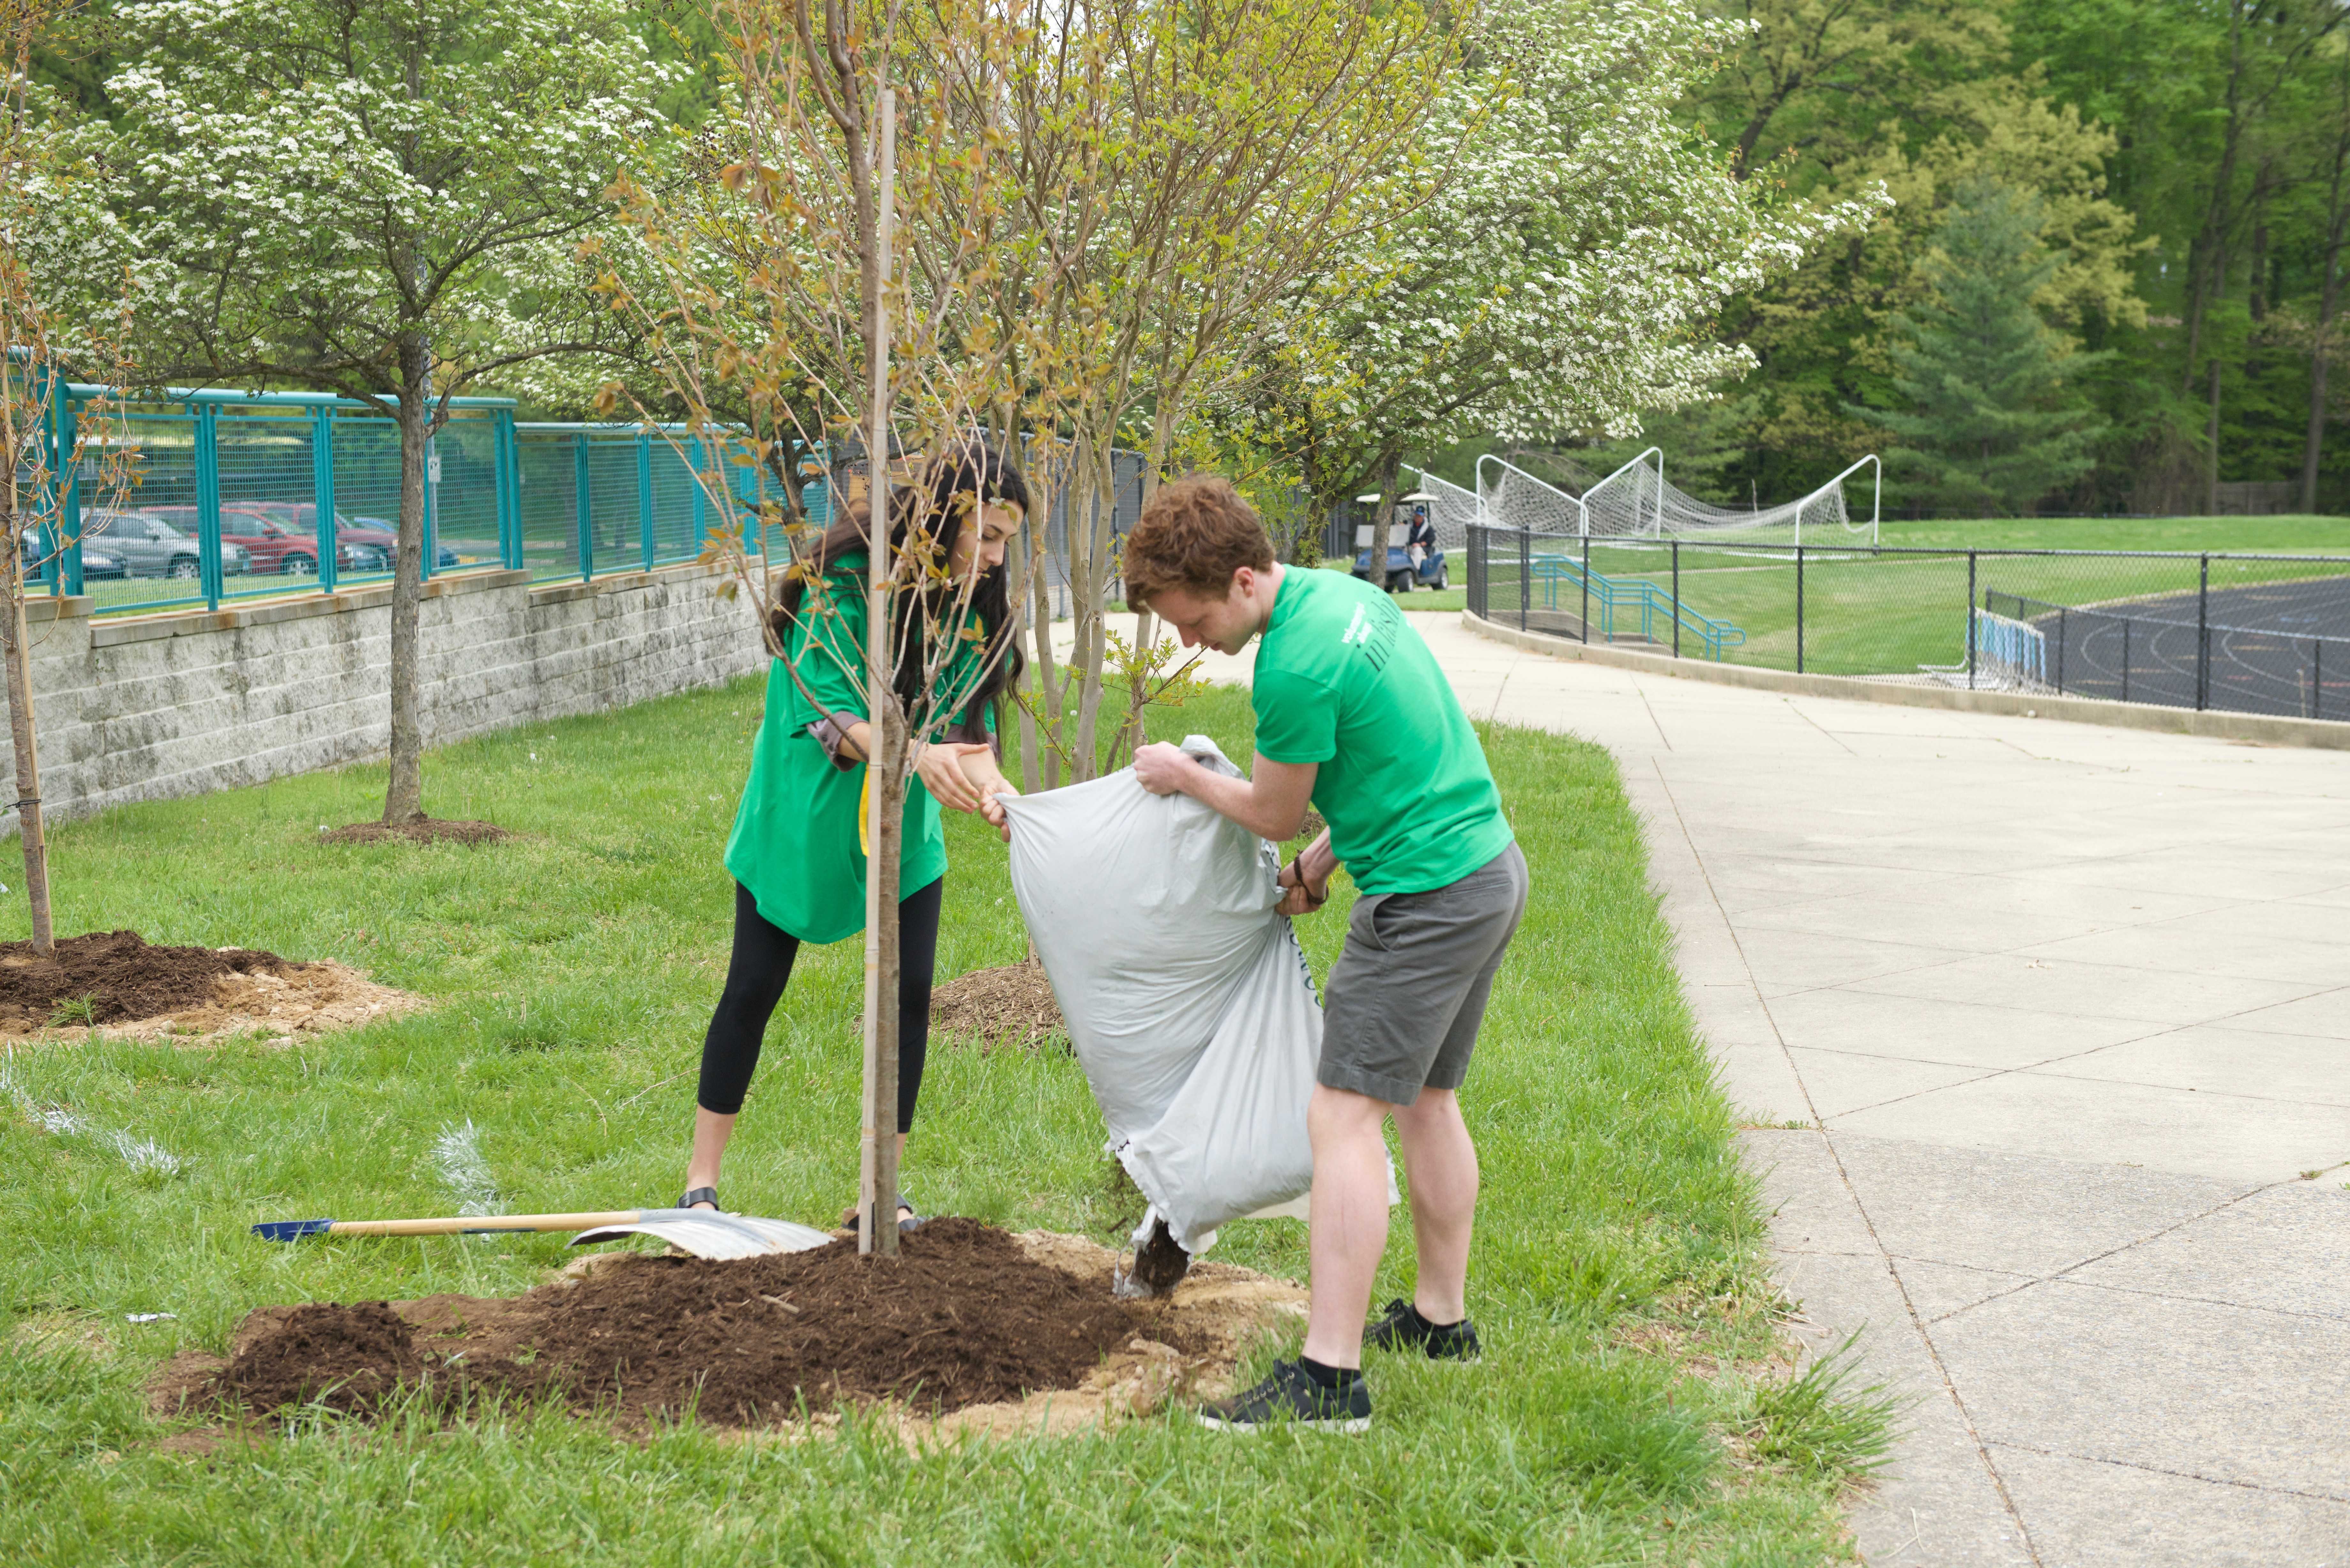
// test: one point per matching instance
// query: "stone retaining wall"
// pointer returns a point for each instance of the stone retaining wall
(143, 707)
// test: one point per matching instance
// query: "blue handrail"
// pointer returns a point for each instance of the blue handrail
(1656, 605)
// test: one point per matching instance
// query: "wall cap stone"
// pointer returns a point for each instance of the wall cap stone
(2328, 734)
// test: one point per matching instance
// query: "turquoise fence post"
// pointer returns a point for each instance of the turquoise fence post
(432, 507)
(322, 493)
(700, 502)
(207, 518)
(67, 578)
(509, 482)
(645, 494)
(586, 510)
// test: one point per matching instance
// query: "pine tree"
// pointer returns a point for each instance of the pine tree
(1994, 423)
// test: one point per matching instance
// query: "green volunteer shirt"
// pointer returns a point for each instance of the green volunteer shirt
(1342, 682)
(795, 844)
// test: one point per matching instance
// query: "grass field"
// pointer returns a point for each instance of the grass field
(571, 975)
(1871, 614)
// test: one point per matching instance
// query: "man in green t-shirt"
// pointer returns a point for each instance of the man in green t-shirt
(1354, 716)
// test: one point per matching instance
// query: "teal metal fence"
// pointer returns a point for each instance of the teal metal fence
(237, 495)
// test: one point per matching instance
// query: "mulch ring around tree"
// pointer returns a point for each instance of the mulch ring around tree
(969, 1328)
(417, 830)
(1013, 1006)
(121, 985)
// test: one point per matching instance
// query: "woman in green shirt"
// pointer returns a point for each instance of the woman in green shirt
(798, 852)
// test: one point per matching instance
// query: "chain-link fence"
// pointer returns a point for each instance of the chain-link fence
(2243, 633)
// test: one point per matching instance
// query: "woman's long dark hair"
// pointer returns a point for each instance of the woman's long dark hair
(939, 506)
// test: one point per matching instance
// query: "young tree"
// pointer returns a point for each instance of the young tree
(379, 198)
(1994, 425)
(863, 233)
(1179, 171)
(60, 254)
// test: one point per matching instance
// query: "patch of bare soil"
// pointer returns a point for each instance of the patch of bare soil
(106, 977)
(308, 998)
(970, 1329)
(1000, 1007)
(417, 830)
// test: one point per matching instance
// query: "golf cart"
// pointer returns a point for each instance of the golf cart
(1412, 559)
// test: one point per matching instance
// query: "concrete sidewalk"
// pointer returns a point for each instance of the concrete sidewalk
(2046, 1031)
(2044, 1028)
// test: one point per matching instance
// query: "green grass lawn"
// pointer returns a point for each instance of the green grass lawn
(571, 975)
(2290, 534)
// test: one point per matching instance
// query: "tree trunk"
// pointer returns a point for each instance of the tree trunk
(2212, 444)
(19, 652)
(1088, 592)
(877, 1229)
(2329, 298)
(403, 797)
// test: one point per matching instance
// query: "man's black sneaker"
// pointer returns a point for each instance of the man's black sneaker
(1401, 1328)
(1291, 1396)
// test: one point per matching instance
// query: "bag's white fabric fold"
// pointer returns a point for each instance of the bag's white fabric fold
(1188, 999)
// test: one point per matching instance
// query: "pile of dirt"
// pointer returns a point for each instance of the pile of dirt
(106, 977)
(308, 999)
(989, 1331)
(1012, 1006)
(417, 830)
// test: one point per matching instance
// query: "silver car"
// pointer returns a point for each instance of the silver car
(148, 546)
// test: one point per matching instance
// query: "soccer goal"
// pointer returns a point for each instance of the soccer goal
(1636, 501)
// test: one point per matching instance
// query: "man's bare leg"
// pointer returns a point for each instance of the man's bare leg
(1441, 1164)
(1349, 1220)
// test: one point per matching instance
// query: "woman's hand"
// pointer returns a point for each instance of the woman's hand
(941, 768)
(980, 766)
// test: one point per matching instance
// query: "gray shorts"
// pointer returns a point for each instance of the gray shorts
(1409, 991)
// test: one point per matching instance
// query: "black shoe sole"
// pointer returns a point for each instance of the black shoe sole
(1346, 1426)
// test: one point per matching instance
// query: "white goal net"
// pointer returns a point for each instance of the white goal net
(1636, 501)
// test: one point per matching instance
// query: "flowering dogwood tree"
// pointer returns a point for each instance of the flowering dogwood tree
(379, 198)
(65, 304)
(1565, 279)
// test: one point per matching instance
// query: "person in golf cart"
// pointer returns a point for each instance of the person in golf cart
(796, 853)
(1411, 558)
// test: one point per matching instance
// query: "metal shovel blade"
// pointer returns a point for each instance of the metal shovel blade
(707, 1234)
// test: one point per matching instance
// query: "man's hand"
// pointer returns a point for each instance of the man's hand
(1298, 898)
(1307, 878)
(1164, 769)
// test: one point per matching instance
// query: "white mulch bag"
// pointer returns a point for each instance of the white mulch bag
(1187, 1000)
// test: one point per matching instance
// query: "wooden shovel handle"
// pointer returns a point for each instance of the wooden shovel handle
(456, 1224)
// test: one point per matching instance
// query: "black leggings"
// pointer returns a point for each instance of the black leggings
(756, 977)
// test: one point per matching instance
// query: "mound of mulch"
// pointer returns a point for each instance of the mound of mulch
(963, 1316)
(120, 974)
(417, 830)
(1008, 1007)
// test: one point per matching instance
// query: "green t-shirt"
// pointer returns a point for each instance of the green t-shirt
(796, 844)
(1342, 682)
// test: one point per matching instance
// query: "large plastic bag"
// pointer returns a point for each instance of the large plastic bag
(1188, 999)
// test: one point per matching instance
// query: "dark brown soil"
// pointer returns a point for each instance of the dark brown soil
(962, 1316)
(121, 976)
(417, 830)
(1160, 1262)
(1012, 1006)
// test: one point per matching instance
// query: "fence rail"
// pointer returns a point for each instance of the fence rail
(2225, 630)
(241, 495)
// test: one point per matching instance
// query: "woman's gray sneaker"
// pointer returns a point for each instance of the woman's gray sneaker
(1291, 1396)
(1401, 1328)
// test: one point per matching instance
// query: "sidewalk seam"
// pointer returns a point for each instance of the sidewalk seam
(1916, 1323)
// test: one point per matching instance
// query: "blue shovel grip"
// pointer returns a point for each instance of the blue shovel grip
(291, 1229)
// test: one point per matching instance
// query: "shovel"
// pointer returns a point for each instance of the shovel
(700, 1232)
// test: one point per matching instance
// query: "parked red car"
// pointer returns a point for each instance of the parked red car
(282, 537)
